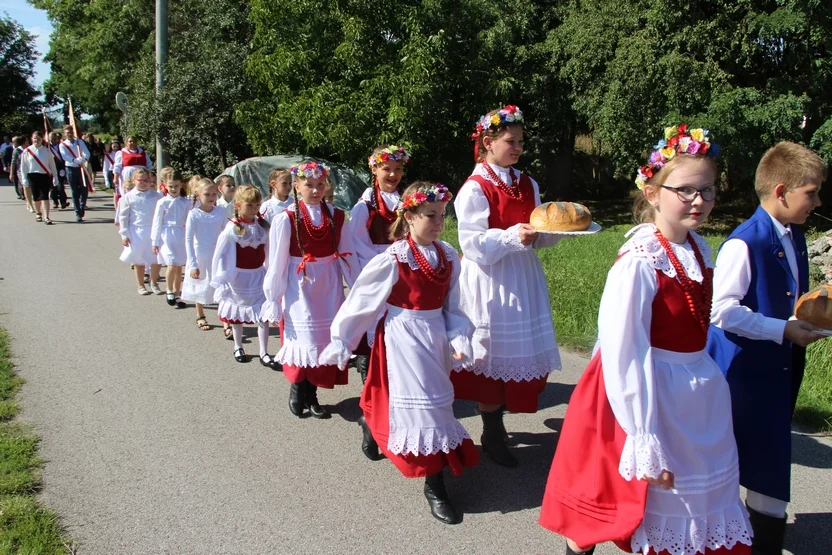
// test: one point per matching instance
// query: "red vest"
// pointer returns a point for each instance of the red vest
(673, 326)
(378, 227)
(504, 210)
(133, 158)
(251, 258)
(414, 291)
(319, 249)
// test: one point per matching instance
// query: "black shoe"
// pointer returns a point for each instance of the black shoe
(79, 219)
(368, 444)
(240, 355)
(55, 206)
(769, 533)
(312, 404)
(268, 361)
(437, 496)
(493, 439)
(180, 303)
(170, 299)
(296, 396)
(589, 551)
(362, 364)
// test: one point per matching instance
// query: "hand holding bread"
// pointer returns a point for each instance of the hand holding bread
(561, 216)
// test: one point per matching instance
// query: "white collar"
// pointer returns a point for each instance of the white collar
(782, 230)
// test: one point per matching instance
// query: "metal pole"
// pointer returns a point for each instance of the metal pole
(161, 62)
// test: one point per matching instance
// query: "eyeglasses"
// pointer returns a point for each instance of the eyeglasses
(689, 194)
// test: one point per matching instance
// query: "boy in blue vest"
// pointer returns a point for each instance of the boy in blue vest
(761, 271)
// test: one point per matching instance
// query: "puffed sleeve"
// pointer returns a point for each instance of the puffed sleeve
(224, 264)
(627, 358)
(479, 243)
(544, 240)
(117, 164)
(124, 216)
(457, 325)
(190, 248)
(156, 229)
(277, 275)
(361, 310)
(357, 227)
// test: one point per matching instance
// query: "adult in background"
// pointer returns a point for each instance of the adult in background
(75, 155)
(109, 165)
(6, 149)
(58, 193)
(96, 154)
(39, 173)
(14, 169)
(128, 160)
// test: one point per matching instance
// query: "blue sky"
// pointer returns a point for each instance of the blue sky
(36, 22)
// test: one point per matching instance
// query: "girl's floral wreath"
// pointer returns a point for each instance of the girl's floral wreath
(504, 116)
(435, 193)
(392, 152)
(677, 140)
(309, 170)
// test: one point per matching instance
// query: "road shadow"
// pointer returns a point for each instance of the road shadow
(555, 394)
(808, 451)
(347, 409)
(489, 488)
(809, 534)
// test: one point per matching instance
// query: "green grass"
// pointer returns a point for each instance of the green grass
(25, 526)
(576, 271)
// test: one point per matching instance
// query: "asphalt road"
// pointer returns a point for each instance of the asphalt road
(157, 441)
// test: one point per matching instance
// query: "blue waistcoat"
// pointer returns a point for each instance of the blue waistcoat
(764, 376)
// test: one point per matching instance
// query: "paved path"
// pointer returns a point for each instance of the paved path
(156, 441)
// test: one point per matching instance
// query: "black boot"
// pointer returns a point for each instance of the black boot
(312, 402)
(296, 398)
(589, 551)
(368, 444)
(494, 439)
(437, 496)
(362, 364)
(769, 533)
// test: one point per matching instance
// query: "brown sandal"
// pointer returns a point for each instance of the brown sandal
(204, 326)
(229, 333)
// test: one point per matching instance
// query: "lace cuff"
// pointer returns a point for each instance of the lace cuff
(461, 344)
(511, 240)
(642, 456)
(337, 353)
(271, 312)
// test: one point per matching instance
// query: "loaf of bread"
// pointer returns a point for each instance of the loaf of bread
(561, 216)
(815, 307)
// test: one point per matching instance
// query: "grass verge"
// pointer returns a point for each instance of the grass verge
(576, 271)
(25, 526)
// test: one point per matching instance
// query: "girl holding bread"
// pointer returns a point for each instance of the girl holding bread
(502, 285)
(646, 456)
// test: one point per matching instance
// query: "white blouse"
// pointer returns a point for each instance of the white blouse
(273, 207)
(170, 212)
(30, 165)
(136, 209)
(359, 215)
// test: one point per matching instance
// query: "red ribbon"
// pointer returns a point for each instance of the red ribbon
(306, 258)
(475, 136)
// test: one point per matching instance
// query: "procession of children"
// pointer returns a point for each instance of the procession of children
(692, 384)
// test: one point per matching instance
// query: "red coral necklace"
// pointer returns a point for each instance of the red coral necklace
(442, 274)
(513, 191)
(698, 304)
(317, 233)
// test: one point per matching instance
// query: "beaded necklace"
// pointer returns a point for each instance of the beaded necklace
(514, 191)
(317, 233)
(380, 207)
(699, 305)
(442, 274)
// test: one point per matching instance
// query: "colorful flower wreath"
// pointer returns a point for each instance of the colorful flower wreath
(309, 170)
(392, 152)
(504, 116)
(434, 193)
(677, 140)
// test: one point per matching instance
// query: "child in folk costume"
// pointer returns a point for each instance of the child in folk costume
(39, 174)
(204, 224)
(761, 271)
(135, 220)
(238, 270)
(646, 457)
(280, 182)
(168, 233)
(408, 297)
(304, 284)
(372, 218)
(503, 287)
(128, 160)
(226, 199)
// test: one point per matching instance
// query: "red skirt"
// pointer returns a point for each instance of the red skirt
(375, 402)
(516, 396)
(321, 376)
(586, 499)
(363, 348)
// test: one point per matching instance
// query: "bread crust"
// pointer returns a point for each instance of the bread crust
(815, 307)
(561, 216)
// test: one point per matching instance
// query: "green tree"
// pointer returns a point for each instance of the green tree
(17, 62)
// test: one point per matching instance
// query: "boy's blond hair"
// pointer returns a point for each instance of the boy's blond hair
(788, 163)
(225, 179)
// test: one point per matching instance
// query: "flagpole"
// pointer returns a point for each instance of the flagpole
(84, 175)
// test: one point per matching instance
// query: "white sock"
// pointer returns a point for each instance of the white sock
(237, 331)
(263, 336)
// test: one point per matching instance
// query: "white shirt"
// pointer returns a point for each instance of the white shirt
(273, 207)
(71, 156)
(732, 278)
(28, 164)
(227, 205)
(136, 209)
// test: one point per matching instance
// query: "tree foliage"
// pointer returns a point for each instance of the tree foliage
(17, 65)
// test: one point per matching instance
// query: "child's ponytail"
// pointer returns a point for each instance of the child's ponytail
(297, 229)
(399, 229)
